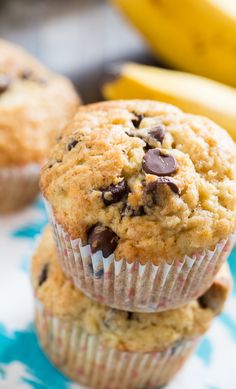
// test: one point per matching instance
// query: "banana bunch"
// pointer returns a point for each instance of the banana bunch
(198, 36)
(192, 93)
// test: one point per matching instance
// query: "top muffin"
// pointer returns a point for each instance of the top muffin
(34, 105)
(144, 180)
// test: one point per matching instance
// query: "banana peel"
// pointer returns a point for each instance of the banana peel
(191, 93)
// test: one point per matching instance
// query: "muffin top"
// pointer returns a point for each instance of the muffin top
(34, 105)
(126, 331)
(143, 179)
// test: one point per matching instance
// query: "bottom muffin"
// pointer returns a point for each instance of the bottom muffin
(104, 348)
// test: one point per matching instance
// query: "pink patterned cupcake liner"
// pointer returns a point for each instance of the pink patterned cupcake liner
(19, 186)
(133, 286)
(85, 359)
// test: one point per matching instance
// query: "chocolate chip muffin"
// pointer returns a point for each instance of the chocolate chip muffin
(142, 198)
(133, 350)
(35, 104)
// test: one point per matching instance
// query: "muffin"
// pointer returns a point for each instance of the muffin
(104, 348)
(35, 104)
(142, 203)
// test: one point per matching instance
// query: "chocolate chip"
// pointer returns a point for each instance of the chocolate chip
(175, 348)
(44, 275)
(102, 238)
(90, 266)
(152, 186)
(209, 300)
(109, 319)
(114, 192)
(170, 182)
(155, 162)
(26, 74)
(129, 315)
(53, 163)
(147, 147)
(99, 273)
(158, 133)
(203, 302)
(4, 83)
(151, 195)
(127, 210)
(72, 144)
(136, 122)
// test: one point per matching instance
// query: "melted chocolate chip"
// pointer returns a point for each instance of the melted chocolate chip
(4, 83)
(44, 274)
(114, 192)
(102, 238)
(152, 186)
(159, 164)
(158, 133)
(72, 144)
(132, 211)
(136, 122)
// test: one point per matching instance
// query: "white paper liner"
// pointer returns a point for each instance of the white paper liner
(136, 287)
(19, 186)
(84, 358)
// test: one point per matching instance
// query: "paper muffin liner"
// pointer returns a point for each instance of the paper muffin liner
(85, 359)
(133, 286)
(19, 186)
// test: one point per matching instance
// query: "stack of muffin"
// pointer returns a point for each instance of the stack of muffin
(142, 203)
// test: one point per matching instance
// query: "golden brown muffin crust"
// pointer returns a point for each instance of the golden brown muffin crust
(123, 330)
(35, 104)
(104, 146)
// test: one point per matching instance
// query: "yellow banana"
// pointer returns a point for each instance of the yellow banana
(198, 36)
(191, 93)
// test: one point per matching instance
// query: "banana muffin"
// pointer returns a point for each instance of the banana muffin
(143, 203)
(101, 347)
(35, 104)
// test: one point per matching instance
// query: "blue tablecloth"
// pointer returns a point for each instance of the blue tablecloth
(22, 363)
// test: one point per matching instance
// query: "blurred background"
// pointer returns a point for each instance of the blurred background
(79, 38)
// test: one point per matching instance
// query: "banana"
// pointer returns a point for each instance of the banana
(198, 36)
(191, 93)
